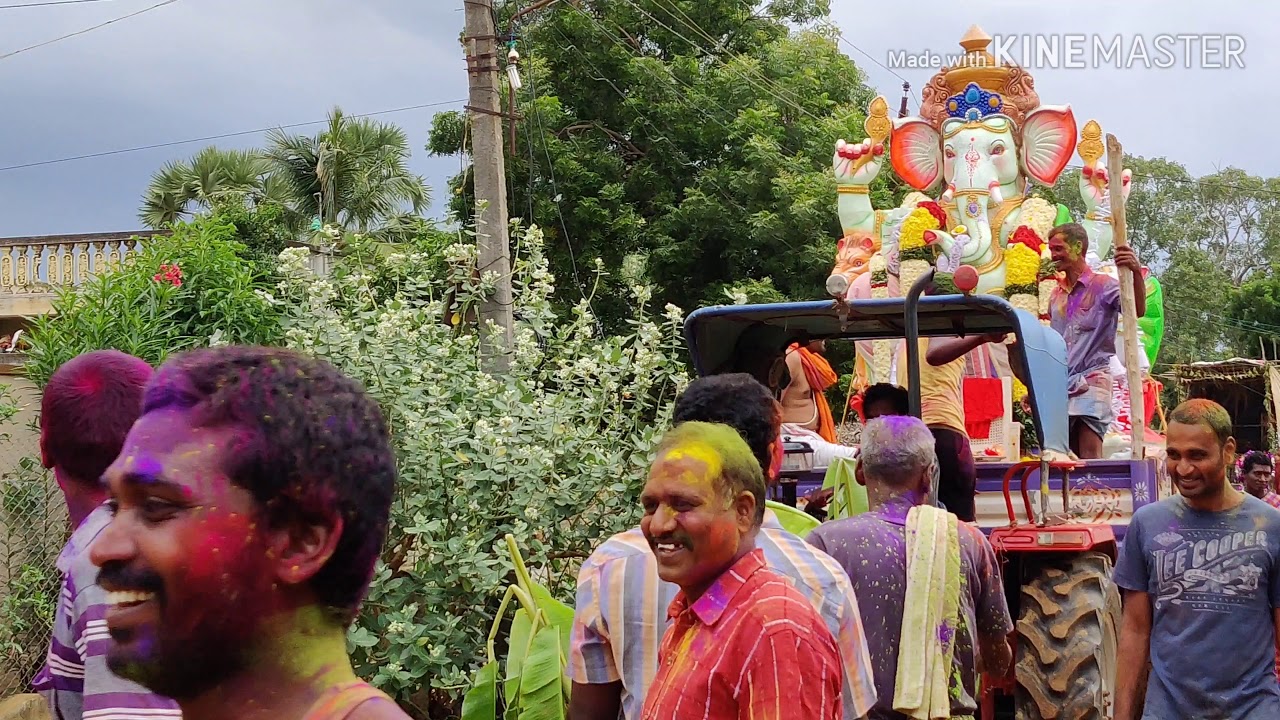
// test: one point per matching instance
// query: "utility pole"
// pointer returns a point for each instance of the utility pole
(489, 173)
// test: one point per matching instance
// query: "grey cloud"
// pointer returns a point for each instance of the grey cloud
(204, 67)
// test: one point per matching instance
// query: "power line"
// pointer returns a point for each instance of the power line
(52, 2)
(88, 29)
(222, 136)
(843, 39)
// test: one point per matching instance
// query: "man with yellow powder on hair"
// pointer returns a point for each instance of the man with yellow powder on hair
(744, 643)
(621, 604)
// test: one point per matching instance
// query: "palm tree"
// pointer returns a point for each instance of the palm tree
(180, 189)
(354, 174)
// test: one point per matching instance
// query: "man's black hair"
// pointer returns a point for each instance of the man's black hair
(315, 444)
(739, 401)
(895, 396)
(1252, 459)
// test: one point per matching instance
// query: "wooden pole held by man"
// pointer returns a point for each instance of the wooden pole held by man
(1128, 303)
(489, 171)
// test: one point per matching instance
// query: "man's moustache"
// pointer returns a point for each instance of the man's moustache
(118, 576)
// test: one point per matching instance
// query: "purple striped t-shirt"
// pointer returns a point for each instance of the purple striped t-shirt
(75, 679)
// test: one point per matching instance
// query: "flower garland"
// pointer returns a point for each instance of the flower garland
(1022, 269)
(914, 255)
(881, 350)
(1048, 277)
(1038, 215)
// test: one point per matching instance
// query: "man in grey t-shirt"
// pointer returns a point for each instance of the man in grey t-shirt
(1201, 571)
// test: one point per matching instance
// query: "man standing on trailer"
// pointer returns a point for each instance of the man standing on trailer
(1085, 310)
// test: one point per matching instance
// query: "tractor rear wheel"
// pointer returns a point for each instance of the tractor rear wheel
(1068, 632)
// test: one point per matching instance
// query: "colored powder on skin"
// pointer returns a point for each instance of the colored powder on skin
(698, 452)
(1201, 411)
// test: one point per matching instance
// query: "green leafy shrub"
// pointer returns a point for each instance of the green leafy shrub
(221, 298)
(33, 528)
(552, 453)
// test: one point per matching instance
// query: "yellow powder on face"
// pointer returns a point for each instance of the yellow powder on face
(702, 453)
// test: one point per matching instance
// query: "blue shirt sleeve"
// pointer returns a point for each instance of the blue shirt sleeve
(1131, 567)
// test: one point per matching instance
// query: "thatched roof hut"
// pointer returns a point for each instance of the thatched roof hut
(1248, 389)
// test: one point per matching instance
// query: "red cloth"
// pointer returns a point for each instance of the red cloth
(983, 404)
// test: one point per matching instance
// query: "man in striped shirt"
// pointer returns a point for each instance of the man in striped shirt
(743, 642)
(622, 603)
(86, 410)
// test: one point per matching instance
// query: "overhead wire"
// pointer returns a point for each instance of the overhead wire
(221, 136)
(50, 3)
(88, 29)
(687, 162)
(762, 86)
(551, 172)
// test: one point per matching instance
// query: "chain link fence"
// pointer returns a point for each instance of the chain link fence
(33, 529)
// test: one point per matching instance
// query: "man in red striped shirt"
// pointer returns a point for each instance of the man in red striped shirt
(743, 641)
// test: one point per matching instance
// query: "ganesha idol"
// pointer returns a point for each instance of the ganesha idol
(980, 144)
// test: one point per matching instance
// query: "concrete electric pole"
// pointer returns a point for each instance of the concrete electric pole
(489, 174)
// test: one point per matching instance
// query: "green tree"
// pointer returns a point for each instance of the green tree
(1254, 311)
(220, 293)
(352, 175)
(182, 188)
(695, 135)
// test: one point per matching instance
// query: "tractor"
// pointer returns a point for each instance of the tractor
(1056, 565)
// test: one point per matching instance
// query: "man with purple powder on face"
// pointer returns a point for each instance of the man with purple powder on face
(86, 409)
(249, 506)
(1085, 309)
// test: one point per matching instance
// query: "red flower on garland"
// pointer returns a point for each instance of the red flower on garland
(171, 274)
(936, 211)
(1026, 236)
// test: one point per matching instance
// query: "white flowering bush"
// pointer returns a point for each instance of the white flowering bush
(554, 452)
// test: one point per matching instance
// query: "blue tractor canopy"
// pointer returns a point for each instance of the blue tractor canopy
(750, 338)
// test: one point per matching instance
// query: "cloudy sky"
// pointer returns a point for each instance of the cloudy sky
(197, 68)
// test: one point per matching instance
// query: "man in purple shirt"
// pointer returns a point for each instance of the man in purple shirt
(86, 411)
(1085, 310)
(898, 459)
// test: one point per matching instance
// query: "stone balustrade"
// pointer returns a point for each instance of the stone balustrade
(33, 269)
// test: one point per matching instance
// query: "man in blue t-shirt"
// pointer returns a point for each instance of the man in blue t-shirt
(1201, 574)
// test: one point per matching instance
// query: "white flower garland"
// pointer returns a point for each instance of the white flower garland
(1046, 292)
(1023, 301)
(1039, 215)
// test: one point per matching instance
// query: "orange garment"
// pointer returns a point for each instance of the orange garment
(339, 701)
(820, 376)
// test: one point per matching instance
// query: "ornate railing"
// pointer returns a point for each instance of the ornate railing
(41, 265)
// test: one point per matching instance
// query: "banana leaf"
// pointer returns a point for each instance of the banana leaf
(849, 498)
(517, 648)
(793, 521)
(541, 679)
(558, 615)
(481, 701)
